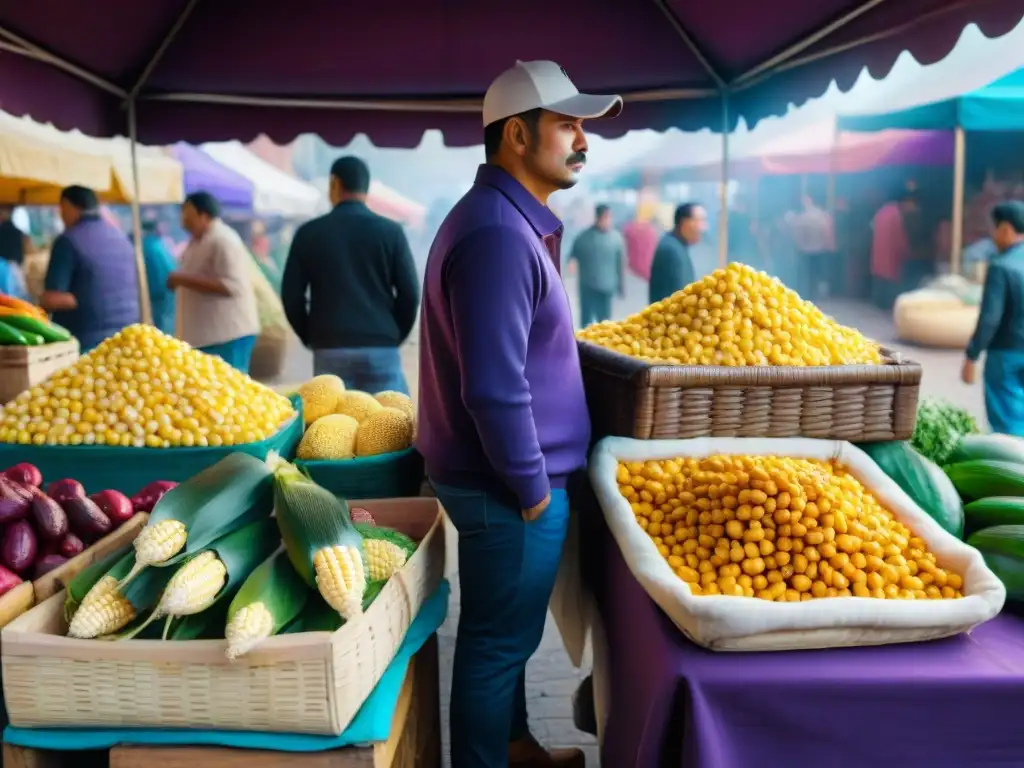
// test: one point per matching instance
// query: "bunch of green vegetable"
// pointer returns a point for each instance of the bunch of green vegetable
(988, 473)
(939, 429)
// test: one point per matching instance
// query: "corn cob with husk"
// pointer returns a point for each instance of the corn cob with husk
(318, 616)
(270, 598)
(384, 550)
(229, 495)
(107, 608)
(79, 586)
(322, 544)
(208, 576)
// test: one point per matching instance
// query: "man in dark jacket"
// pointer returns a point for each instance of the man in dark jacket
(672, 268)
(363, 288)
(92, 281)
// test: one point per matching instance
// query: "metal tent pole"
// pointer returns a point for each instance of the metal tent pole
(723, 223)
(957, 229)
(140, 262)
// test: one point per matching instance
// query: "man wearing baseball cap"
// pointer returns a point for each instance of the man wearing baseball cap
(502, 415)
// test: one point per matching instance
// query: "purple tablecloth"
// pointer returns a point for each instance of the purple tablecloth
(954, 703)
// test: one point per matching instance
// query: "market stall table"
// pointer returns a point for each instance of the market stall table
(942, 704)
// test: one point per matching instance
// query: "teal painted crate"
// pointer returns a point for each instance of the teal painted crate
(128, 470)
(389, 476)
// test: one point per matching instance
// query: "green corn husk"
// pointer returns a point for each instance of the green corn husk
(240, 551)
(143, 593)
(206, 625)
(275, 585)
(399, 539)
(79, 586)
(310, 517)
(318, 616)
(234, 492)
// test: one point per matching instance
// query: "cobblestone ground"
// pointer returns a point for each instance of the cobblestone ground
(551, 678)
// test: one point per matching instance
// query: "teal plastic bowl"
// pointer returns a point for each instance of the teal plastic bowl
(390, 475)
(99, 467)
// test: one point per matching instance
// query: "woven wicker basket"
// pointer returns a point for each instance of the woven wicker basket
(627, 397)
(303, 683)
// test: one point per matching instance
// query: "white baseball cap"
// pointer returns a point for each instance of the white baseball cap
(543, 85)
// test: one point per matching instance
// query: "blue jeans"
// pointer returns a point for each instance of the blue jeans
(235, 353)
(507, 570)
(1003, 378)
(369, 369)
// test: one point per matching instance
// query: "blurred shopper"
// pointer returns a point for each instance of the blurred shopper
(363, 288)
(672, 268)
(890, 249)
(503, 418)
(14, 244)
(160, 263)
(92, 280)
(815, 242)
(641, 236)
(215, 298)
(600, 253)
(1000, 330)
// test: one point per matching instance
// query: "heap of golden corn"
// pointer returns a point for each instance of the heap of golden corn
(779, 529)
(141, 388)
(735, 316)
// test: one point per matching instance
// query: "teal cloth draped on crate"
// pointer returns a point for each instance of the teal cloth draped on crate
(101, 467)
(372, 723)
(388, 476)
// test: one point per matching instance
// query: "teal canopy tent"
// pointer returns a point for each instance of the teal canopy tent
(996, 107)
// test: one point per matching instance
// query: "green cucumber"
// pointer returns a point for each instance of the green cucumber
(1002, 546)
(981, 478)
(25, 324)
(995, 510)
(10, 336)
(995, 447)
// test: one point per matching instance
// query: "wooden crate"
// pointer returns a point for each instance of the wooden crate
(415, 740)
(28, 593)
(311, 682)
(24, 367)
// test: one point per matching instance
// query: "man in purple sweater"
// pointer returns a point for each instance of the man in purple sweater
(502, 415)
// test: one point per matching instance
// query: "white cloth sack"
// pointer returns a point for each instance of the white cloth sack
(750, 624)
(570, 601)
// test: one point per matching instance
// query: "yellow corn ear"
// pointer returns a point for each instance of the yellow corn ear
(247, 628)
(195, 586)
(160, 542)
(341, 579)
(103, 610)
(383, 558)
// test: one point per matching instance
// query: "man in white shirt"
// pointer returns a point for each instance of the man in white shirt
(215, 298)
(814, 239)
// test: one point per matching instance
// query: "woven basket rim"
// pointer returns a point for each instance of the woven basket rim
(358, 461)
(897, 369)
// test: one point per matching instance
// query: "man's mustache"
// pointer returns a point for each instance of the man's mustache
(577, 157)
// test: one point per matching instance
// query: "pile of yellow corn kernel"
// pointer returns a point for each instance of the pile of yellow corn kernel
(778, 529)
(734, 317)
(141, 388)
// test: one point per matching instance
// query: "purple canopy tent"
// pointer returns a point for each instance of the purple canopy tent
(206, 70)
(203, 173)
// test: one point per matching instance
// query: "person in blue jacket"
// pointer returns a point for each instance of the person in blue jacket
(160, 263)
(1000, 330)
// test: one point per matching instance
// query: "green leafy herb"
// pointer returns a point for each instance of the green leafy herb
(940, 427)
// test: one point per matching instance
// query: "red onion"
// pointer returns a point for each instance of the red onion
(62, 490)
(146, 499)
(26, 474)
(114, 505)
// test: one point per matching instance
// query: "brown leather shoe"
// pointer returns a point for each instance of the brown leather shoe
(527, 753)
